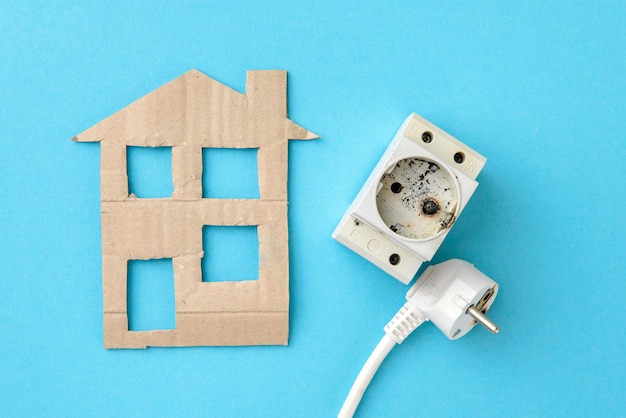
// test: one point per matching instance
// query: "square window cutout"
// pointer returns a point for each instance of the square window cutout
(151, 302)
(230, 173)
(149, 171)
(231, 253)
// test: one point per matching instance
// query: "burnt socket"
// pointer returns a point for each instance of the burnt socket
(430, 207)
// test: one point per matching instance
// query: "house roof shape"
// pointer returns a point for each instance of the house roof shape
(164, 116)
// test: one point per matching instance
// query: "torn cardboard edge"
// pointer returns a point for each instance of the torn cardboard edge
(188, 114)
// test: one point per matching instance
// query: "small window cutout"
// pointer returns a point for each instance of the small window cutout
(149, 171)
(230, 173)
(151, 303)
(231, 253)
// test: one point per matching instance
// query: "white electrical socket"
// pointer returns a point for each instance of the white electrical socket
(412, 198)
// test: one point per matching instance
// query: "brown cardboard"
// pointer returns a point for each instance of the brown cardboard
(190, 113)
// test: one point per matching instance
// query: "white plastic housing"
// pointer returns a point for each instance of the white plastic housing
(388, 222)
(445, 291)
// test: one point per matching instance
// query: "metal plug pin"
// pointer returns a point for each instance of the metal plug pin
(482, 319)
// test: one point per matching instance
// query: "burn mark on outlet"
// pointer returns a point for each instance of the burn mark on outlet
(430, 207)
(447, 220)
(416, 198)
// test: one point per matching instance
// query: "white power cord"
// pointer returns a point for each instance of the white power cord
(454, 295)
(365, 376)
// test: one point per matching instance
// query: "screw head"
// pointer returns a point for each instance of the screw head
(394, 259)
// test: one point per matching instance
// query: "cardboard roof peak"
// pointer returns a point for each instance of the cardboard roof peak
(196, 108)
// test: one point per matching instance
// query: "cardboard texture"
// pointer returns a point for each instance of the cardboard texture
(188, 114)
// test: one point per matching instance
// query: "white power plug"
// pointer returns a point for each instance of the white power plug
(411, 200)
(454, 295)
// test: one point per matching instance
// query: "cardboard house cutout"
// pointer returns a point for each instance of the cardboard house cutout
(188, 114)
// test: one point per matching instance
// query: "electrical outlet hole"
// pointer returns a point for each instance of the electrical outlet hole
(430, 207)
(396, 187)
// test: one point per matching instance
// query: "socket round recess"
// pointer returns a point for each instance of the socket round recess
(418, 198)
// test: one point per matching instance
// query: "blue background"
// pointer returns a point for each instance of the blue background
(539, 89)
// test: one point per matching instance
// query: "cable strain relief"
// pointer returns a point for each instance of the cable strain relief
(404, 322)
